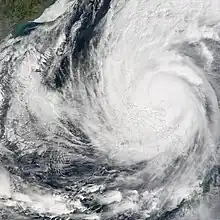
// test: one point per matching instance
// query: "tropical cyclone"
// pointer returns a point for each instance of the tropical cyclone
(113, 106)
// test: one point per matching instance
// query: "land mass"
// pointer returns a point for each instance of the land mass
(16, 11)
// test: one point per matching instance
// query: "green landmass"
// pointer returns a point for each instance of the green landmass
(18, 11)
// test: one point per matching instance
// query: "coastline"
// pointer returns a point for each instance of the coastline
(17, 11)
